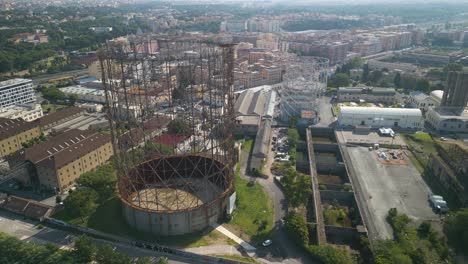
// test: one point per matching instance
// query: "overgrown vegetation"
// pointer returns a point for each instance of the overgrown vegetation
(456, 229)
(85, 251)
(411, 245)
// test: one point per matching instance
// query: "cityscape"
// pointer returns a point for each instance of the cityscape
(240, 131)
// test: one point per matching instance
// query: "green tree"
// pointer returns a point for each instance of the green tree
(397, 80)
(84, 249)
(339, 80)
(423, 85)
(179, 126)
(296, 226)
(105, 254)
(72, 99)
(53, 94)
(81, 202)
(293, 137)
(456, 229)
(365, 73)
(102, 180)
(375, 76)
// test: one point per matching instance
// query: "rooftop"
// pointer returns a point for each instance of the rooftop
(13, 82)
(64, 148)
(11, 127)
(60, 115)
(345, 110)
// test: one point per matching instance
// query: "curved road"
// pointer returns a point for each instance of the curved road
(283, 249)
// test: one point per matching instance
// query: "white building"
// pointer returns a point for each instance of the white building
(423, 101)
(381, 117)
(85, 94)
(16, 91)
(26, 112)
(443, 119)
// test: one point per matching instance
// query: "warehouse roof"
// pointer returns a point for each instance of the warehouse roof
(60, 115)
(64, 148)
(11, 127)
(380, 111)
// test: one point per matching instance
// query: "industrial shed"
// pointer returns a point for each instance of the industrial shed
(381, 117)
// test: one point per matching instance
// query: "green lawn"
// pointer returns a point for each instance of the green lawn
(108, 218)
(248, 145)
(422, 140)
(254, 213)
(53, 107)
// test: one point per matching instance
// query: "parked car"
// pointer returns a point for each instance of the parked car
(267, 243)
(438, 203)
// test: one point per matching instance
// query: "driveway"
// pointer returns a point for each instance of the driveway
(283, 249)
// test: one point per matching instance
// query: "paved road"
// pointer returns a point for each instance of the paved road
(283, 249)
(325, 113)
(27, 230)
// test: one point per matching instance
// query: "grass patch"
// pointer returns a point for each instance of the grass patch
(53, 107)
(254, 213)
(108, 218)
(238, 258)
(248, 145)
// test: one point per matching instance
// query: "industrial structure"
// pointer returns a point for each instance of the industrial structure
(376, 117)
(305, 79)
(452, 114)
(170, 189)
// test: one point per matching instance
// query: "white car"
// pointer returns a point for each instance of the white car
(267, 243)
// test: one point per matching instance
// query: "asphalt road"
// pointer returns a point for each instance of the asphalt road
(325, 114)
(27, 230)
(283, 248)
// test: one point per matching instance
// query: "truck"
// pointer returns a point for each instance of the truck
(438, 203)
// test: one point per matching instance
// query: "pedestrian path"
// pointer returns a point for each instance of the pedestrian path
(246, 246)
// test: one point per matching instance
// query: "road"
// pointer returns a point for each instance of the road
(47, 77)
(325, 113)
(283, 248)
(27, 230)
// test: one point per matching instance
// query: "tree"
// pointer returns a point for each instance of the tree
(81, 203)
(423, 85)
(456, 229)
(84, 249)
(293, 137)
(105, 254)
(102, 180)
(296, 226)
(72, 99)
(339, 80)
(53, 94)
(375, 76)
(365, 73)
(179, 126)
(397, 80)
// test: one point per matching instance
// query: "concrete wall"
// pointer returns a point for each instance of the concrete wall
(169, 224)
(343, 198)
(322, 132)
(342, 235)
(325, 162)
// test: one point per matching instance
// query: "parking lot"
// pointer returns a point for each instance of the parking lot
(384, 186)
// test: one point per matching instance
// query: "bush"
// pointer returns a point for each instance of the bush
(296, 227)
(329, 255)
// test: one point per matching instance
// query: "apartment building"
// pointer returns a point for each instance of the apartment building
(16, 91)
(14, 132)
(62, 159)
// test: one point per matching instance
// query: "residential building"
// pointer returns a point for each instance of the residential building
(62, 159)
(376, 117)
(28, 112)
(16, 91)
(366, 94)
(14, 132)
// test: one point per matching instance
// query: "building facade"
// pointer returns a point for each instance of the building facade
(62, 159)
(376, 117)
(26, 112)
(14, 132)
(367, 94)
(16, 91)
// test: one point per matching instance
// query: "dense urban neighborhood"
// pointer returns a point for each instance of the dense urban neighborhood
(238, 131)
